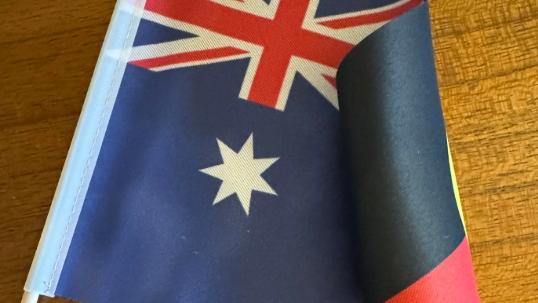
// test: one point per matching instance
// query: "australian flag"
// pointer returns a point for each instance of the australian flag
(209, 165)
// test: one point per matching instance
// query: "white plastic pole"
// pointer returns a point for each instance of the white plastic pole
(29, 297)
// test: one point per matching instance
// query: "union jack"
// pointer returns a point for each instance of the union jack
(281, 38)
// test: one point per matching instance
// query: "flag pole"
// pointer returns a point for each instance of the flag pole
(29, 297)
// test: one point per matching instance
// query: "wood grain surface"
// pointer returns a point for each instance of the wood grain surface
(487, 59)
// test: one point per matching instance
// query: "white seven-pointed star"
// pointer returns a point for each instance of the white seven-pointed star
(240, 173)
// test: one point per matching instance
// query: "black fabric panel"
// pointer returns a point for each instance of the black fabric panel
(407, 217)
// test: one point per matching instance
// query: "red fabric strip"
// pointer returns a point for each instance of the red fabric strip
(373, 17)
(216, 53)
(451, 281)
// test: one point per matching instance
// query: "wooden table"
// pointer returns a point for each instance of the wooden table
(487, 58)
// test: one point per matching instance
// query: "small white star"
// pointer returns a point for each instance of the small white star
(240, 173)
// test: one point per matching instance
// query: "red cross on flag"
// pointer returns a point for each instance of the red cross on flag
(281, 38)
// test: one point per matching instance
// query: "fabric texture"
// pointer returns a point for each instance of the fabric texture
(228, 173)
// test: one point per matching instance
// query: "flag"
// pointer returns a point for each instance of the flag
(259, 151)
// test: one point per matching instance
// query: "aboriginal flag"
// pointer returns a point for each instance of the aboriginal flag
(244, 151)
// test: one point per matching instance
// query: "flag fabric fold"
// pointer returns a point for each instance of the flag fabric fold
(410, 238)
(259, 151)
